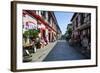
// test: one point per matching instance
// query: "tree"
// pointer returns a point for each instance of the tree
(31, 33)
(69, 31)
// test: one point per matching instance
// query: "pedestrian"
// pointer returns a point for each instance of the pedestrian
(45, 39)
(38, 45)
(42, 42)
(33, 46)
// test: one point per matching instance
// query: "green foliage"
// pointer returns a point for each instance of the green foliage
(69, 31)
(31, 33)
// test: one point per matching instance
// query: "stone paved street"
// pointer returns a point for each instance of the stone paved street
(42, 53)
(62, 51)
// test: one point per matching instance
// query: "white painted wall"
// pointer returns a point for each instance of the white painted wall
(5, 37)
(30, 20)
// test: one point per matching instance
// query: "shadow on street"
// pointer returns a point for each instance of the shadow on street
(63, 51)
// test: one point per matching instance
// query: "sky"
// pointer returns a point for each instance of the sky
(63, 19)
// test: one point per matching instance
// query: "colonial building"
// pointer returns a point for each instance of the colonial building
(81, 30)
(44, 21)
(81, 24)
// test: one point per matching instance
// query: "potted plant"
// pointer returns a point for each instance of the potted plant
(29, 36)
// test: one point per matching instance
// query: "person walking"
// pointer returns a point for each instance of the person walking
(45, 39)
(33, 46)
(42, 42)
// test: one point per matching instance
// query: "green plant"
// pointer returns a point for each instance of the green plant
(69, 31)
(31, 33)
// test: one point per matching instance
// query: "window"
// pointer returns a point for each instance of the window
(89, 17)
(43, 13)
(49, 18)
(77, 22)
(82, 18)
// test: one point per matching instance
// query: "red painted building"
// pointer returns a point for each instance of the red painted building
(45, 21)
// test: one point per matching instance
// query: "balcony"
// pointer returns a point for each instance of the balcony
(83, 26)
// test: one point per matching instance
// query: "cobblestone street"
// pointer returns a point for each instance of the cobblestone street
(62, 51)
(43, 52)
